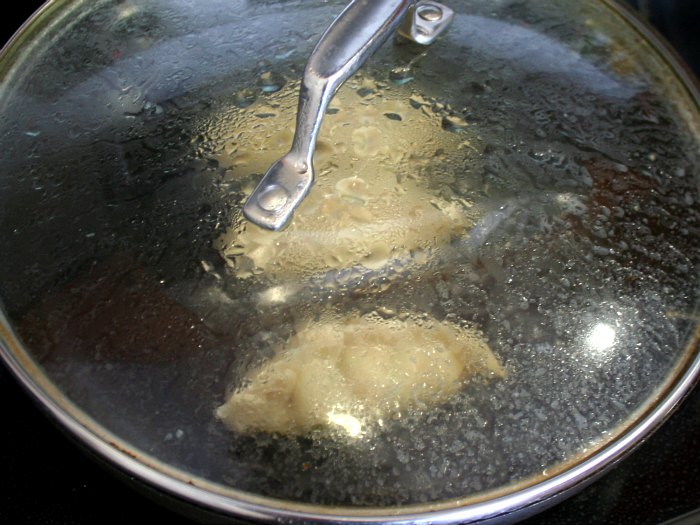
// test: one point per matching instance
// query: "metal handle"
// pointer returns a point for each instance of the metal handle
(351, 39)
(346, 45)
(356, 34)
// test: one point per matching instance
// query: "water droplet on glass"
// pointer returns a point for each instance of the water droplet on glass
(454, 123)
(401, 75)
(273, 198)
(417, 102)
(284, 53)
(271, 82)
(385, 313)
(245, 98)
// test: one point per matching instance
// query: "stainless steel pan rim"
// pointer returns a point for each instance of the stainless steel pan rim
(245, 505)
(576, 474)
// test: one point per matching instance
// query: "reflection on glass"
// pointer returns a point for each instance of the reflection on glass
(601, 338)
(127, 10)
(349, 424)
(278, 294)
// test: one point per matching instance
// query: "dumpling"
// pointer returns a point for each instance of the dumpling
(371, 203)
(361, 222)
(346, 375)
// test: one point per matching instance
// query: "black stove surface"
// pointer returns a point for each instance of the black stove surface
(46, 480)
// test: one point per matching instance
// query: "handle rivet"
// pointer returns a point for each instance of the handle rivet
(273, 198)
(430, 12)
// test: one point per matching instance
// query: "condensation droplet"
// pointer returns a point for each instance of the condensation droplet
(454, 123)
(244, 98)
(271, 82)
(401, 75)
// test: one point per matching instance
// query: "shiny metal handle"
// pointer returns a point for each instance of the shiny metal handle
(346, 45)
(356, 34)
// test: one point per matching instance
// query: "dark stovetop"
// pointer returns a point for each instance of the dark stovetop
(46, 480)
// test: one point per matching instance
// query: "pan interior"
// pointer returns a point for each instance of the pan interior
(559, 145)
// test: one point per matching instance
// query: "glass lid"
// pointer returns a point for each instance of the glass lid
(493, 279)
